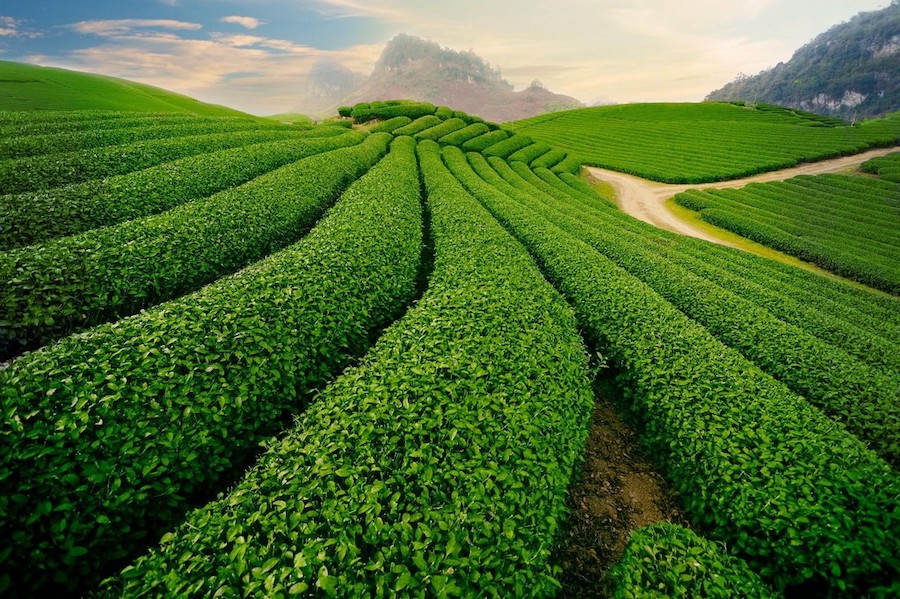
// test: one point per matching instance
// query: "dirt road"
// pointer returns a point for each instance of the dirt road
(646, 200)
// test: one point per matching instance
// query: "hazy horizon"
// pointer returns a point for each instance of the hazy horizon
(254, 55)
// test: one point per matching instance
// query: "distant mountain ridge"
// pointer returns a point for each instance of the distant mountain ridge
(851, 71)
(416, 69)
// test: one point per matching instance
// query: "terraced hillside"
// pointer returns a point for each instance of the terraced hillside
(407, 315)
(845, 224)
(696, 143)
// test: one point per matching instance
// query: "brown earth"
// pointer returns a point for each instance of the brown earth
(619, 491)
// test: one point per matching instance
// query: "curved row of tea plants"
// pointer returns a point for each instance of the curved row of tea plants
(694, 143)
(367, 111)
(848, 225)
(34, 217)
(52, 170)
(439, 467)
(418, 125)
(666, 560)
(875, 313)
(448, 127)
(389, 125)
(52, 289)
(887, 167)
(860, 396)
(111, 436)
(412, 109)
(46, 122)
(485, 140)
(549, 160)
(529, 153)
(442, 129)
(861, 334)
(34, 145)
(506, 147)
(757, 467)
(461, 136)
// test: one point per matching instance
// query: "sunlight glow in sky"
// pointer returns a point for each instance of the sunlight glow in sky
(254, 55)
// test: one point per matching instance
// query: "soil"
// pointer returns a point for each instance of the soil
(646, 200)
(618, 492)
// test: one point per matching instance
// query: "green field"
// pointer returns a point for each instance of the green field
(696, 143)
(847, 225)
(887, 167)
(25, 87)
(253, 359)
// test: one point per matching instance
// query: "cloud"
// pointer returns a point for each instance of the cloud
(12, 28)
(248, 72)
(643, 51)
(248, 22)
(355, 8)
(626, 50)
(249, 41)
(116, 27)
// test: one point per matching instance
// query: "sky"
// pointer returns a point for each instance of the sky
(254, 55)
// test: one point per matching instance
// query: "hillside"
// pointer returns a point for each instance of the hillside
(31, 87)
(416, 317)
(709, 141)
(851, 71)
(413, 68)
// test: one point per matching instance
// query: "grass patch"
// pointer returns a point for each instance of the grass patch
(602, 188)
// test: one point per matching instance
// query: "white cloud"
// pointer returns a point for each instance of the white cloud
(116, 27)
(248, 22)
(10, 28)
(641, 50)
(249, 41)
(625, 50)
(355, 8)
(251, 73)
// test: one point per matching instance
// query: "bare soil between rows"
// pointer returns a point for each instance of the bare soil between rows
(619, 491)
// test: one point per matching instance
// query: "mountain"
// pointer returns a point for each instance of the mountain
(410, 67)
(327, 83)
(30, 87)
(851, 71)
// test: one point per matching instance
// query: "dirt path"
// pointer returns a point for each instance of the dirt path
(646, 200)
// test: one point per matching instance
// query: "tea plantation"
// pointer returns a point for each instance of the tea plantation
(847, 225)
(250, 359)
(710, 141)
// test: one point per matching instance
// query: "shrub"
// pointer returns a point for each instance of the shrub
(113, 435)
(484, 141)
(52, 289)
(665, 560)
(39, 216)
(506, 147)
(437, 467)
(389, 125)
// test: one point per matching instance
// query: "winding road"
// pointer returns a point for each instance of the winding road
(646, 199)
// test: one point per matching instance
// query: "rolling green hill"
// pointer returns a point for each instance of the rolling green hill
(30, 87)
(710, 141)
(845, 224)
(407, 318)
